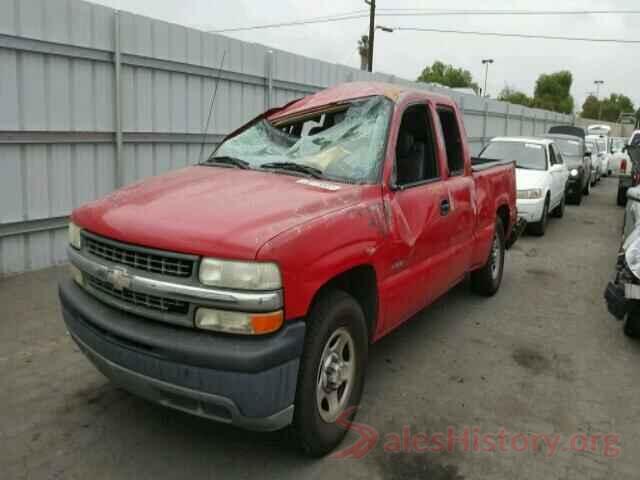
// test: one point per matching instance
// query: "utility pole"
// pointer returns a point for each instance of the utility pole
(486, 62)
(372, 31)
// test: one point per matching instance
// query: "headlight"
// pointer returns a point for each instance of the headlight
(530, 194)
(75, 239)
(632, 256)
(574, 172)
(76, 274)
(238, 322)
(242, 275)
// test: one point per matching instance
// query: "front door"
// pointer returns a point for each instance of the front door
(418, 206)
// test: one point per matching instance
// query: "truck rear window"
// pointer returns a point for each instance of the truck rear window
(345, 142)
(528, 156)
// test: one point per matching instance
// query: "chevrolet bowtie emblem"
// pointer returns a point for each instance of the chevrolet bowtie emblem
(119, 279)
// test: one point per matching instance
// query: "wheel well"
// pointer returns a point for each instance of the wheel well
(361, 283)
(503, 214)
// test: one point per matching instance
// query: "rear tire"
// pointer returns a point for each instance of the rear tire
(335, 319)
(539, 228)
(486, 280)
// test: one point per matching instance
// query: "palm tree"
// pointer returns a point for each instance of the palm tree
(363, 50)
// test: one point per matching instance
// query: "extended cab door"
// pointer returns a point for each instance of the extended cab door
(460, 187)
(417, 204)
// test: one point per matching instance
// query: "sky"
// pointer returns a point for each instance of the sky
(517, 62)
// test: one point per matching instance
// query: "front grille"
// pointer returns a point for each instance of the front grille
(152, 302)
(141, 259)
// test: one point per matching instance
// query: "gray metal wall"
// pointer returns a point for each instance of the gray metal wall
(91, 99)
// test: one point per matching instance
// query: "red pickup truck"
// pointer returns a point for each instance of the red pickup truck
(248, 288)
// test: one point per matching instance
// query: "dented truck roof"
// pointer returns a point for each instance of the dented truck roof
(350, 91)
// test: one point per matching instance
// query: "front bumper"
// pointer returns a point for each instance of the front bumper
(248, 382)
(530, 210)
(575, 186)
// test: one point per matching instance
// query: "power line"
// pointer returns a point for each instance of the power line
(326, 19)
(521, 35)
(395, 12)
(438, 12)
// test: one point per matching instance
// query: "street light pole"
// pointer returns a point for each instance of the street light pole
(598, 83)
(372, 31)
(486, 62)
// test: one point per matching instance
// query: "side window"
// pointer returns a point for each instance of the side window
(552, 156)
(452, 140)
(416, 160)
(559, 159)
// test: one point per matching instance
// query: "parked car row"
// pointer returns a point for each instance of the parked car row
(552, 170)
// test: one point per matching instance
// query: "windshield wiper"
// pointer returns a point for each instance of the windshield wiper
(294, 167)
(230, 161)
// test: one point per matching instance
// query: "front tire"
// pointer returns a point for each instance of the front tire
(486, 281)
(631, 326)
(577, 199)
(539, 228)
(558, 212)
(332, 372)
(621, 199)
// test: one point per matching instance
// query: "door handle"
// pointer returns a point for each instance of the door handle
(445, 206)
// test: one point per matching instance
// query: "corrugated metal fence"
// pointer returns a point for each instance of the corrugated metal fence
(92, 98)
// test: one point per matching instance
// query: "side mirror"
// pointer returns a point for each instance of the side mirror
(588, 153)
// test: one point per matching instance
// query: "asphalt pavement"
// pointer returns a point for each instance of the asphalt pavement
(542, 362)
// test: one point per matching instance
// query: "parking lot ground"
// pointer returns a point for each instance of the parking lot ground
(541, 357)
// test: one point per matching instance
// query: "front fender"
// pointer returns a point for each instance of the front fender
(312, 254)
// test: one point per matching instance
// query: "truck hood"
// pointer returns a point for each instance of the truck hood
(213, 211)
(527, 179)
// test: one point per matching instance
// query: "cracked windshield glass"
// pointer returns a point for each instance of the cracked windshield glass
(345, 143)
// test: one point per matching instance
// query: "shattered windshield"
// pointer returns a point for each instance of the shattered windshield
(345, 143)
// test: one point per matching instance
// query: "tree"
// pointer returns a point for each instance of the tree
(511, 95)
(591, 107)
(553, 92)
(447, 75)
(607, 109)
(616, 104)
(363, 50)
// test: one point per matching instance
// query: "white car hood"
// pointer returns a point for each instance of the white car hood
(527, 179)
